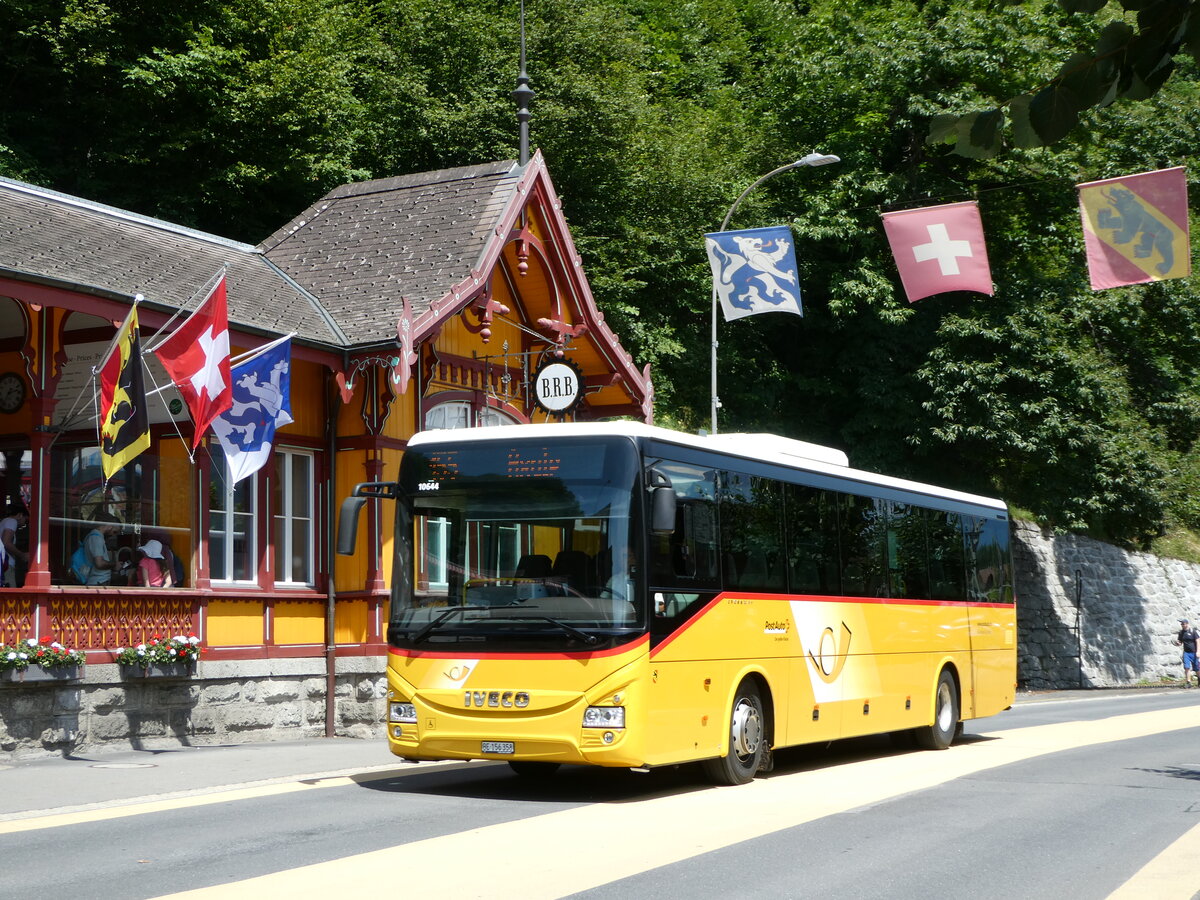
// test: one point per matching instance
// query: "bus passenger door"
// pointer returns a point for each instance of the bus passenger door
(992, 618)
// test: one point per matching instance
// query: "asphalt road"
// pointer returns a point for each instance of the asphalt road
(1072, 795)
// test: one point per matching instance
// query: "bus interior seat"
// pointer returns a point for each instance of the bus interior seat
(533, 565)
(574, 569)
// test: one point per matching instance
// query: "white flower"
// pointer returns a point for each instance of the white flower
(120, 650)
(172, 652)
(12, 654)
(193, 640)
(57, 646)
(23, 655)
(141, 647)
(33, 642)
(141, 651)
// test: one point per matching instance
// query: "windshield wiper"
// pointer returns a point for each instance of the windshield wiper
(434, 624)
(576, 633)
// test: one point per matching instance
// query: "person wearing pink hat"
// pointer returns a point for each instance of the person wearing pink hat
(153, 570)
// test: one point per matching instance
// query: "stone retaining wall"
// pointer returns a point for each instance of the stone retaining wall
(1092, 615)
(225, 702)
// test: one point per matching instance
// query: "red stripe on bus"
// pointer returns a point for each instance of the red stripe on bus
(815, 598)
(582, 654)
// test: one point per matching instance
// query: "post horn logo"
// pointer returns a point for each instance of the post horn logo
(830, 658)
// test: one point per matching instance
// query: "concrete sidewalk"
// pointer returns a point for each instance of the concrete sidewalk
(102, 778)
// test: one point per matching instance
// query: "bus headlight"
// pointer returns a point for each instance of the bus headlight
(604, 717)
(402, 712)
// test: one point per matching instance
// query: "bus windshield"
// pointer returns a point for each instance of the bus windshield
(522, 544)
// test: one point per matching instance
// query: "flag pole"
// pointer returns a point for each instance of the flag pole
(811, 159)
(258, 351)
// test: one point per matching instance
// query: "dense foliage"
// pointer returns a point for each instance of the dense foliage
(1133, 56)
(1081, 407)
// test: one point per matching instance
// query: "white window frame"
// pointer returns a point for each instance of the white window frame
(458, 414)
(287, 517)
(228, 517)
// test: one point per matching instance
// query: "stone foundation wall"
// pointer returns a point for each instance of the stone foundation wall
(1093, 615)
(224, 702)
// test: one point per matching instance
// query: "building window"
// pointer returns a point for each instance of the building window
(292, 505)
(231, 546)
(458, 414)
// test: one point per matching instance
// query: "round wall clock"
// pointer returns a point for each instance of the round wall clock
(12, 392)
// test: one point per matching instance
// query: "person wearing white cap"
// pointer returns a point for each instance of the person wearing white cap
(153, 570)
(1187, 638)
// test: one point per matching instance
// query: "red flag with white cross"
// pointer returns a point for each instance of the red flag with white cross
(196, 356)
(939, 249)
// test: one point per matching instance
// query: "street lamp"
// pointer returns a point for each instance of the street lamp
(811, 159)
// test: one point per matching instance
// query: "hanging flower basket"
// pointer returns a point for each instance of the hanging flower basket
(34, 660)
(160, 658)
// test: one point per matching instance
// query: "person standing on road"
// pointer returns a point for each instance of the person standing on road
(1187, 638)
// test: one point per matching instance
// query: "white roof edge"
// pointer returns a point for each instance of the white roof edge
(769, 448)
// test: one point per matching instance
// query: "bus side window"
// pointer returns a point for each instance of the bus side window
(687, 558)
(946, 561)
(752, 532)
(863, 523)
(989, 575)
(908, 563)
(812, 540)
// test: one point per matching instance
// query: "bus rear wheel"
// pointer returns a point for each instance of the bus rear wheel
(945, 727)
(747, 740)
(531, 769)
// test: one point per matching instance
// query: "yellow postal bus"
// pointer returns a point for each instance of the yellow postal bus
(622, 595)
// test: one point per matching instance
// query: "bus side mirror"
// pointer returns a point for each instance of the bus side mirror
(347, 534)
(662, 517)
(662, 503)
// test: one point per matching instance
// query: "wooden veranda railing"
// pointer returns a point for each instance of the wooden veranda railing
(93, 620)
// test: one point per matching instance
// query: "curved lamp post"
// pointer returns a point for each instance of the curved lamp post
(812, 159)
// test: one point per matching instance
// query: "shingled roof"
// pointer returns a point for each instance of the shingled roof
(364, 246)
(99, 249)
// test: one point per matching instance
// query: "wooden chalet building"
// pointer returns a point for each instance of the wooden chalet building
(419, 301)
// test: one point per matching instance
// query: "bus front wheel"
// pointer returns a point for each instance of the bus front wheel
(945, 727)
(747, 740)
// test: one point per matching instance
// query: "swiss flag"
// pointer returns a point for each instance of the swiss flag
(196, 357)
(939, 249)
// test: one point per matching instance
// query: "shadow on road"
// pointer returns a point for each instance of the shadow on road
(494, 780)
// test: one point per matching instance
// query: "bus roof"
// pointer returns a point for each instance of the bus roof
(768, 448)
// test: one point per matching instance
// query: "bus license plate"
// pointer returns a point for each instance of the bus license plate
(499, 747)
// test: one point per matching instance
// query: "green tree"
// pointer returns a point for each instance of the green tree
(1132, 57)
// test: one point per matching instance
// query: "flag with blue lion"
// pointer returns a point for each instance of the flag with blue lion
(261, 403)
(754, 271)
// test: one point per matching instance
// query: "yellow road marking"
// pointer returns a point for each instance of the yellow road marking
(1169, 876)
(630, 838)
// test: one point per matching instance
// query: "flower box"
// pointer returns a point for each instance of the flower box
(33, 660)
(36, 674)
(159, 670)
(159, 657)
